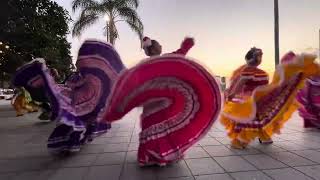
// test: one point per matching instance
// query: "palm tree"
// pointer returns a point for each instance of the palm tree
(113, 11)
(276, 31)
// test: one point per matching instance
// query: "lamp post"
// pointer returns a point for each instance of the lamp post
(276, 31)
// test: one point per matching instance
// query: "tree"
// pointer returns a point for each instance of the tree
(34, 28)
(114, 10)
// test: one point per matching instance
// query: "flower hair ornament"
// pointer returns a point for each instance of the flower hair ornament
(146, 42)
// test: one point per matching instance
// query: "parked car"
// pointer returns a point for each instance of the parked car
(6, 94)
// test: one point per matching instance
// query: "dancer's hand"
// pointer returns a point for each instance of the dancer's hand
(230, 96)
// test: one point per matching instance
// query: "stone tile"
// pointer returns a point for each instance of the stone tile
(291, 137)
(250, 175)
(7, 176)
(121, 147)
(123, 134)
(14, 165)
(103, 172)
(110, 158)
(133, 147)
(291, 159)
(92, 149)
(287, 131)
(134, 139)
(196, 152)
(268, 148)
(30, 151)
(179, 178)
(134, 172)
(127, 129)
(132, 157)
(262, 161)
(69, 173)
(215, 129)
(246, 151)
(34, 175)
(218, 134)
(100, 141)
(218, 151)
(224, 140)
(109, 134)
(78, 161)
(173, 170)
(312, 155)
(234, 163)
(214, 177)
(111, 140)
(209, 142)
(308, 144)
(286, 174)
(290, 146)
(312, 171)
(204, 166)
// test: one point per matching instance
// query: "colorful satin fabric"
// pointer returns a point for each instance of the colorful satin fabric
(22, 102)
(78, 105)
(180, 99)
(309, 99)
(264, 112)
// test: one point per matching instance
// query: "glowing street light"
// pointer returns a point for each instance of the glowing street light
(7, 47)
(106, 17)
(1, 43)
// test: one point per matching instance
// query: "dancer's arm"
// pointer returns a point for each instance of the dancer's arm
(235, 88)
(186, 45)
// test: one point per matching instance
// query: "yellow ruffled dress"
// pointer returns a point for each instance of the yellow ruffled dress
(264, 112)
(22, 102)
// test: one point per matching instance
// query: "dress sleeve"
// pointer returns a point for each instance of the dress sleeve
(261, 77)
(247, 75)
(186, 45)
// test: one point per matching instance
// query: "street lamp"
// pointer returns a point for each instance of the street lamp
(276, 31)
(106, 18)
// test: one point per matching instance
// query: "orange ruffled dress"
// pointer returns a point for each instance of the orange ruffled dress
(264, 111)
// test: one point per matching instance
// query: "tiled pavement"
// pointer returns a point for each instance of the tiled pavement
(295, 155)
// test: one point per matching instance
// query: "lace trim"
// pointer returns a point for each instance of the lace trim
(174, 123)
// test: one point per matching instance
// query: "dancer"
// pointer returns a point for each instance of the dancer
(248, 77)
(309, 99)
(254, 109)
(22, 102)
(78, 106)
(35, 87)
(180, 100)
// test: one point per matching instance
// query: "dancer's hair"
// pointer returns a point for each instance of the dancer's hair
(148, 45)
(251, 56)
(251, 59)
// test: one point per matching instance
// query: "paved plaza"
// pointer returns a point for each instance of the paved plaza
(295, 154)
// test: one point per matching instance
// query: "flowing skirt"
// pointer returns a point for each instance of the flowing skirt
(79, 105)
(266, 111)
(309, 99)
(180, 100)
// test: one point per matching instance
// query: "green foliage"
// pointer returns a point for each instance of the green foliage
(116, 10)
(34, 28)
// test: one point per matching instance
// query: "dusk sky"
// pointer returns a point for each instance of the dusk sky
(224, 30)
